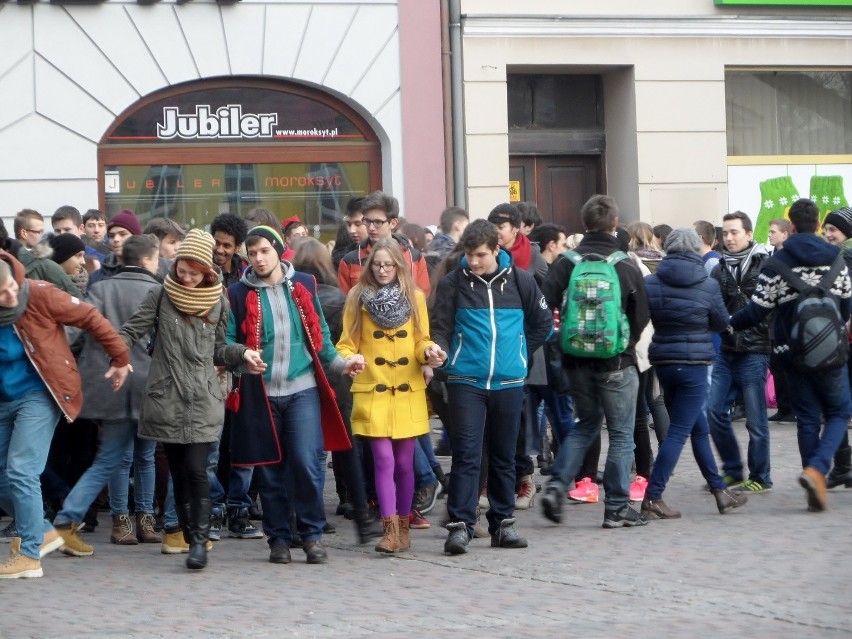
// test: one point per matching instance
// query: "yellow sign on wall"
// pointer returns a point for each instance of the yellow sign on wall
(515, 191)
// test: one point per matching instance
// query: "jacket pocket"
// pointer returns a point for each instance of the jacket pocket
(362, 406)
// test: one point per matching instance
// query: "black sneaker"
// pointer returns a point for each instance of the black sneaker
(551, 504)
(239, 526)
(255, 511)
(457, 540)
(506, 536)
(623, 517)
(425, 498)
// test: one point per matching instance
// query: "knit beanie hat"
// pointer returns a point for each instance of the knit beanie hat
(126, 220)
(842, 220)
(270, 234)
(197, 246)
(65, 245)
(683, 240)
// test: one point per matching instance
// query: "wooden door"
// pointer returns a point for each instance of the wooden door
(558, 185)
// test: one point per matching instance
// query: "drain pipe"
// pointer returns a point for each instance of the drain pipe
(459, 181)
(447, 100)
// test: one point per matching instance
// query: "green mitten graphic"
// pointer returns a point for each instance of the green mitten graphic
(827, 194)
(776, 196)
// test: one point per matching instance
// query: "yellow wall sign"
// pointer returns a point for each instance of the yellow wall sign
(515, 191)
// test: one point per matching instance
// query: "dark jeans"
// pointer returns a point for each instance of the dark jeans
(295, 483)
(684, 388)
(817, 394)
(494, 416)
(745, 372)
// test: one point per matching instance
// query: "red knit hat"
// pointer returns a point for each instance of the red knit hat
(126, 220)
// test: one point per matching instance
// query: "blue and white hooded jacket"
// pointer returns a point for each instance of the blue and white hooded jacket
(489, 328)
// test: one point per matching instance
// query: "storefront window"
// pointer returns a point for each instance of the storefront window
(194, 151)
(194, 194)
(789, 112)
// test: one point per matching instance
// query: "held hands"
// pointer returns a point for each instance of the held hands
(435, 357)
(428, 373)
(256, 365)
(118, 375)
(354, 365)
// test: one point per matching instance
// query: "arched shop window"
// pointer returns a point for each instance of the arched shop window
(199, 149)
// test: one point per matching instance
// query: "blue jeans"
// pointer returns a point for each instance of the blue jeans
(746, 372)
(685, 389)
(217, 492)
(559, 409)
(140, 455)
(295, 483)
(116, 440)
(611, 394)
(494, 415)
(26, 428)
(817, 394)
(239, 482)
(423, 473)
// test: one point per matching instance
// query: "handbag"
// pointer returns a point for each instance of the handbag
(152, 340)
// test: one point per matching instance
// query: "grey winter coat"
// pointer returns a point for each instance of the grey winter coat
(185, 397)
(117, 298)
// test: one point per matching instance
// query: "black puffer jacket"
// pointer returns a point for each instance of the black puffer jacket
(736, 296)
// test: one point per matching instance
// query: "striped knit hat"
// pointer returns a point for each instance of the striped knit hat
(272, 235)
(197, 246)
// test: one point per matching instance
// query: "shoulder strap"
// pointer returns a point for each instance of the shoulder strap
(574, 256)
(615, 258)
(796, 281)
(156, 329)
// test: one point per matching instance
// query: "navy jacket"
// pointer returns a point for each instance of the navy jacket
(686, 307)
(810, 257)
(489, 328)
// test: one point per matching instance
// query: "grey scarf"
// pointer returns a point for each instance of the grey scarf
(11, 315)
(387, 306)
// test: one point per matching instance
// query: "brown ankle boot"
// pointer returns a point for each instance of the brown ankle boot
(122, 531)
(145, 529)
(404, 537)
(390, 540)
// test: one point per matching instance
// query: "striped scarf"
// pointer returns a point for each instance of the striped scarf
(197, 302)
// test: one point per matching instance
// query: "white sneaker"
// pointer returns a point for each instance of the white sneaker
(526, 493)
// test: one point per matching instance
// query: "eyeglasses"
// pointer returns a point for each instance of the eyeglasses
(35, 231)
(384, 267)
(376, 223)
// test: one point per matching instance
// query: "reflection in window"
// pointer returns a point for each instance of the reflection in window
(789, 112)
(195, 194)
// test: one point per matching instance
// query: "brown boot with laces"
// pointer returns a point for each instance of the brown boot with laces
(145, 529)
(122, 531)
(390, 540)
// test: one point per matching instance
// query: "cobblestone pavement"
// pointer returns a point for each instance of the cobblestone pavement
(770, 569)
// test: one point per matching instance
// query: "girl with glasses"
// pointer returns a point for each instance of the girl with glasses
(386, 333)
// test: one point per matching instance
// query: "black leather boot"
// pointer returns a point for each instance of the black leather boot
(183, 515)
(841, 472)
(367, 527)
(199, 532)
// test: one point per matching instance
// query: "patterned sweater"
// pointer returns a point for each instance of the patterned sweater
(810, 257)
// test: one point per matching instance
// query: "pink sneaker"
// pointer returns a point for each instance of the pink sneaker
(637, 488)
(586, 491)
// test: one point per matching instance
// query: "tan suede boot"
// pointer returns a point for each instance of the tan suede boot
(404, 537)
(390, 540)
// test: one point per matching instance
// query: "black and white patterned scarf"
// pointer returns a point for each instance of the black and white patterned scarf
(387, 306)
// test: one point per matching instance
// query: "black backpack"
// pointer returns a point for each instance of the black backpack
(818, 339)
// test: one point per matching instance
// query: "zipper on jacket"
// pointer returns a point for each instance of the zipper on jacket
(458, 350)
(493, 337)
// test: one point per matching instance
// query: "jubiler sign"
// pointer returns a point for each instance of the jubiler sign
(227, 122)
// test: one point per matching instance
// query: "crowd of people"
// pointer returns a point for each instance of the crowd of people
(220, 367)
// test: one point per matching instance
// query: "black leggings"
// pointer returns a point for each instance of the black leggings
(188, 467)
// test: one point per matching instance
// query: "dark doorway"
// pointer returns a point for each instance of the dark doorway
(558, 185)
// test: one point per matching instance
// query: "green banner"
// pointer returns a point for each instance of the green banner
(797, 3)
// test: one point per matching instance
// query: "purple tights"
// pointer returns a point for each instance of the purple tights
(393, 460)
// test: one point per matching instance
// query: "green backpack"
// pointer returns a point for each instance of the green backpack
(593, 323)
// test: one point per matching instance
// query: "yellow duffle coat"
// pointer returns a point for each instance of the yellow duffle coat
(388, 401)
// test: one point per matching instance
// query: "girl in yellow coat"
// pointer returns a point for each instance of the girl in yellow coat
(386, 334)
